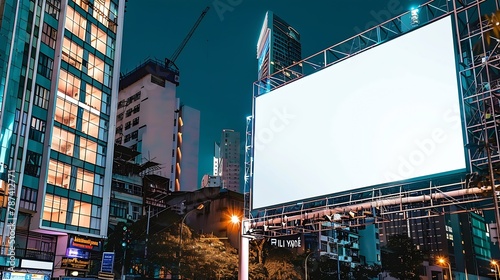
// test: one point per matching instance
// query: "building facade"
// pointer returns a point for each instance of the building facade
(150, 120)
(227, 165)
(58, 92)
(278, 47)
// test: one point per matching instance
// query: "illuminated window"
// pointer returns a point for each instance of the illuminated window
(49, 35)
(90, 123)
(75, 23)
(72, 53)
(55, 208)
(82, 3)
(101, 11)
(93, 97)
(84, 181)
(66, 112)
(96, 68)
(59, 174)
(80, 216)
(98, 39)
(88, 150)
(62, 141)
(68, 84)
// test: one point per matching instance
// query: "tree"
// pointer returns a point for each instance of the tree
(366, 272)
(279, 264)
(199, 257)
(402, 258)
(267, 262)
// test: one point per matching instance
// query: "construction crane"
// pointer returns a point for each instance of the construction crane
(170, 62)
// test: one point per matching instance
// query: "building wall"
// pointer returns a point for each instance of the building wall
(230, 159)
(369, 243)
(190, 148)
(58, 98)
(278, 46)
(152, 121)
(154, 133)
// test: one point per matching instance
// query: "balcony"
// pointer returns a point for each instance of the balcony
(32, 254)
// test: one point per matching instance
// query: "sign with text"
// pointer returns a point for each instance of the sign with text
(84, 243)
(108, 258)
(289, 241)
(75, 263)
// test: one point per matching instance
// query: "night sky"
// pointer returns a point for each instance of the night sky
(218, 66)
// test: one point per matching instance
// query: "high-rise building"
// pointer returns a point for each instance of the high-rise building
(59, 61)
(278, 46)
(189, 133)
(151, 120)
(227, 164)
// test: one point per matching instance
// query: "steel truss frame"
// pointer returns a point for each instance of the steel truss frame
(479, 82)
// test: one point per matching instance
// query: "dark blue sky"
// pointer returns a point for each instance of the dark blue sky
(218, 66)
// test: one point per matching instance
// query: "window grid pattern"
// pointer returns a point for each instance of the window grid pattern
(28, 198)
(49, 35)
(41, 98)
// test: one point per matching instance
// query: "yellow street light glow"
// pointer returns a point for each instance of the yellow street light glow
(235, 219)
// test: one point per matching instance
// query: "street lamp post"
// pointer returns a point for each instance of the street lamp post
(243, 249)
(305, 264)
(199, 207)
(497, 269)
(442, 261)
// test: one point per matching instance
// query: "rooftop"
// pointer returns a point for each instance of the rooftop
(155, 67)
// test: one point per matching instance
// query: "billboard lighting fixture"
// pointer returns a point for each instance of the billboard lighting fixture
(352, 214)
(414, 17)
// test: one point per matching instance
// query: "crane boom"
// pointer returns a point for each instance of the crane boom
(178, 51)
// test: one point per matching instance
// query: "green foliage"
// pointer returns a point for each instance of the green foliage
(402, 258)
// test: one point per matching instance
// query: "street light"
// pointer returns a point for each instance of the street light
(199, 207)
(305, 264)
(443, 262)
(497, 269)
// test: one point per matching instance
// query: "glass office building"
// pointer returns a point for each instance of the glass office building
(59, 73)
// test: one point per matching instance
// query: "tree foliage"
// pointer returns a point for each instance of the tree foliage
(198, 256)
(279, 264)
(402, 258)
(366, 272)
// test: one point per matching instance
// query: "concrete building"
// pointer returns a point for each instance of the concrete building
(58, 91)
(227, 165)
(151, 120)
(209, 181)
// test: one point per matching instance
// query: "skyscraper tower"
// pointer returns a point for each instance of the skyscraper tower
(278, 46)
(227, 160)
(59, 61)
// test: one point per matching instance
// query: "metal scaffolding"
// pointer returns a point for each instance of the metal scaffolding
(478, 72)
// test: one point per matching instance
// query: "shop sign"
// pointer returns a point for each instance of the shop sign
(84, 243)
(75, 263)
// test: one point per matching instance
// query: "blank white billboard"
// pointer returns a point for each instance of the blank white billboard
(388, 114)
